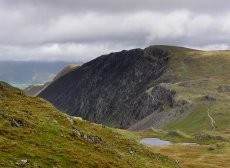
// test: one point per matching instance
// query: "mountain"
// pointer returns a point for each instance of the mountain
(160, 86)
(35, 134)
(35, 89)
(112, 89)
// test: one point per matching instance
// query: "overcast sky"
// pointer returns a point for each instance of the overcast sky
(80, 30)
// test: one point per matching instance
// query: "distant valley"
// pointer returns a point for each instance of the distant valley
(22, 74)
(35, 89)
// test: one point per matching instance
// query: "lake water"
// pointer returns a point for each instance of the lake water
(154, 142)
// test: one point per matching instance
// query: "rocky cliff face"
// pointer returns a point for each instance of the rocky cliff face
(118, 89)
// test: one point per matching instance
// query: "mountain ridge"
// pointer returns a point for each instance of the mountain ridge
(181, 90)
(130, 72)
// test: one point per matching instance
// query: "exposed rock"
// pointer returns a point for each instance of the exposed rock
(162, 116)
(180, 103)
(87, 137)
(78, 118)
(77, 133)
(22, 163)
(208, 98)
(70, 120)
(131, 151)
(54, 121)
(112, 88)
(17, 123)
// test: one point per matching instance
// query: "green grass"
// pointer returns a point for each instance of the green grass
(49, 138)
(197, 74)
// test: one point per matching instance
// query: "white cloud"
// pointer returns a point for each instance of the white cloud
(215, 47)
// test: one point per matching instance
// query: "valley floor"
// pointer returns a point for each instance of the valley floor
(211, 152)
(214, 156)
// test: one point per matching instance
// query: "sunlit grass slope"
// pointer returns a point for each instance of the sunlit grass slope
(202, 78)
(35, 134)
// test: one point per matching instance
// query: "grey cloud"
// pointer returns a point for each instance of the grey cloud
(120, 5)
(81, 30)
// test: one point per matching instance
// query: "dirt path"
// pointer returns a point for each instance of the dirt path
(213, 123)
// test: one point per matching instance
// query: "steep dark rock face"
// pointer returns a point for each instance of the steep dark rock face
(116, 89)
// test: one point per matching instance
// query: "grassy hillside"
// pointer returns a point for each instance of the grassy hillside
(34, 134)
(202, 79)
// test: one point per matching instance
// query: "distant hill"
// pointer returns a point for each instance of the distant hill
(35, 134)
(66, 70)
(33, 90)
(160, 86)
(37, 88)
(22, 74)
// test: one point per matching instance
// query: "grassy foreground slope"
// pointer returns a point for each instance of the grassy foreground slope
(34, 134)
